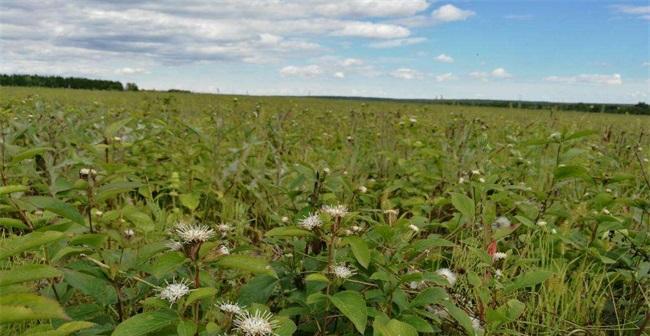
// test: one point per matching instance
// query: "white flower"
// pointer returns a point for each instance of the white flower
(499, 256)
(413, 120)
(414, 228)
(605, 211)
(98, 213)
(482, 180)
(85, 172)
(447, 274)
(285, 219)
(257, 324)
(128, 233)
(223, 229)
(363, 189)
(498, 273)
(174, 245)
(335, 210)
(555, 136)
(342, 271)
(310, 222)
(541, 223)
(326, 170)
(174, 291)
(461, 180)
(224, 250)
(230, 307)
(553, 231)
(194, 233)
(476, 324)
(476, 172)
(501, 223)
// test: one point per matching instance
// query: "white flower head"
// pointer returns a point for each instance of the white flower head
(363, 189)
(476, 172)
(256, 324)
(310, 222)
(476, 324)
(499, 256)
(501, 223)
(224, 250)
(86, 172)
(174, 245)
(342, 271)
(498, 273)
(174, 291)
(224, 228)
(414, 228)
(128, 233)
(482, 180)
(336, 210)
(448, 274)
(285, 219)
(541, 223)
(194, 233)
(230, 307)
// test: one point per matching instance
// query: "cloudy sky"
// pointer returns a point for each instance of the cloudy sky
(595, 51)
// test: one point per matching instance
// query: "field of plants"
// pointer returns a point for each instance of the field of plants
(150, 213)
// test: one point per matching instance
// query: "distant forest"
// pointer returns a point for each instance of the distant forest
(65, 82)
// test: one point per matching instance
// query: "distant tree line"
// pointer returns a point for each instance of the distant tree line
(65, 82)
(639, 108)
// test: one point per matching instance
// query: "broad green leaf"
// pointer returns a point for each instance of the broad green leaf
(200, 293)
(28, 153)
(15, 245)
(111, 130)
(167, 263)
(110, 190)
(145, 323)
(246, 263)
(288, 231)
(460, 316)
(12, 223)
(28, 306)
(429, 296)
(359, 249)
(353, 306)
(186, 328)
(257, 290)
(565, 172)
(64, 330)
(190, 201)
(286, 327)
(28, 272)
(395, 328)
(97, 288)
(464, 205)
(528, 279)
(57, 206)
(12, 189)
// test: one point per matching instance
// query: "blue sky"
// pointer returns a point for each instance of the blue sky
(592, 51)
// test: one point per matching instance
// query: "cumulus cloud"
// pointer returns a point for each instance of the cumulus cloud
(339, 74)
(372, 30)
(445, 58)
(498, 73)
(311, 70)
(613, 79)
(451, 13)
(445, 77)
(130, 71)
(397, 42)
(406, 73)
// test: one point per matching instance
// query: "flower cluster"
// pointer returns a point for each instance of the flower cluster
(255, 324)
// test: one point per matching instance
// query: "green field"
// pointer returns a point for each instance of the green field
(460, 220)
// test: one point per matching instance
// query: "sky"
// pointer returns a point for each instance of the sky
(554, 50)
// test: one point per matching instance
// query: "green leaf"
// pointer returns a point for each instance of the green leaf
(288, 231)
(429, 296)
(186, 328)
(28, 153)
(464, 205)
(246, 263)
(190, 201)
(353, 306)
(112, 189)
(145, 323)
(12, 223)
(286, 327)
(565, 172)
(200, 293)
(12, 189)
(28, 306)
(359, 249)
(97, 288)
(29, 241)
(395, 328)
(580, 134)
(111, 130)
(529, 279)
(460, 316)
(29, 272)
(64, 330)
(167, 263)
(257, 290)
(57, 206)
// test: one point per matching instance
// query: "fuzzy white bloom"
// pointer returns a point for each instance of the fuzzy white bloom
(356, 228)
(224, 250)
(461, 180)
(476, 324)
(326, 170)
(310, 222)
(482, 180)
(608, 190)
(230, 307)
(257, 324)
(555, 136)
(342, 271)
(541, 223)
(98, 213)
(128, 233)
(605, 211)
(553, 231)
(363, 189)
(194, 233)
(447, 274)
(501, 223)
(498, 273)
(350, 138)
(174, 291)
(476, 172)
(174, 245)
(223, 229)
(413, 120)
(499, 256)
(285, 219)
(414, 228)
(335, 210)
(85, 172)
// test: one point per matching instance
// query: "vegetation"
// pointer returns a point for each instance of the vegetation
(64, 82)
(138, 213)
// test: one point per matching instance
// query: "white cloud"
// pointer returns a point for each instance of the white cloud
(500, 73)
(339, 74)
(371, 8)
(348, 62)
(646, 64)
(642, 12)
(445, 58)
(406, 73)
(613, 79)
(311, 70)
(445, 77)
(451, 13)
(130, 71)
(397, 42)
(372, 30)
